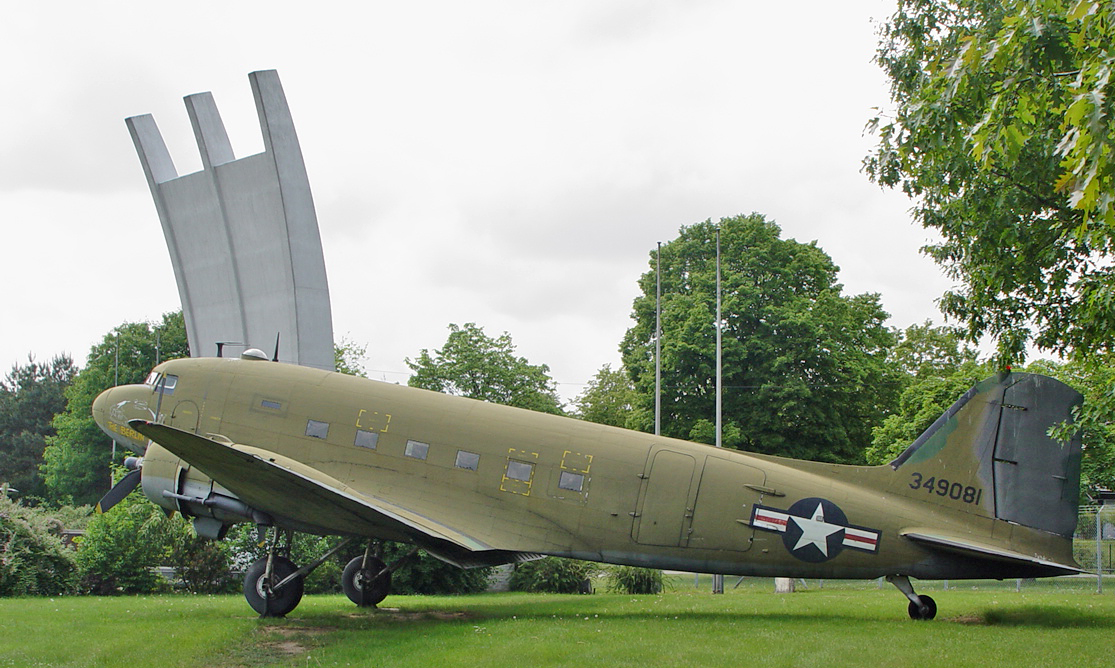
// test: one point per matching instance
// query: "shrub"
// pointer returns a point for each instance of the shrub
(424, 574)
(553, 575)
(203, 565)
(122, 548)
(33, 560)
(634, 580)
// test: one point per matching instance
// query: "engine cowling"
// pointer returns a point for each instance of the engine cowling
(172, 484)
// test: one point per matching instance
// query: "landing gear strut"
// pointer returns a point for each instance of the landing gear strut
(921, 607)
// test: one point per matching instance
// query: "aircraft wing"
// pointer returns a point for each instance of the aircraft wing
(286, 488)
(969, 548)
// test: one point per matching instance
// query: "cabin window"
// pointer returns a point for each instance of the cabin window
(417, 449)
(573, 482)
(366, 439)
(317, 429)
(467, 460)
(519, 470)
(273, 405)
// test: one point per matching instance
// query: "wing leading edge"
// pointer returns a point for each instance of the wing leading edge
(284, 487)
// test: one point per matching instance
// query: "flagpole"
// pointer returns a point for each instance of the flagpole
(658, 343)
(717, 578)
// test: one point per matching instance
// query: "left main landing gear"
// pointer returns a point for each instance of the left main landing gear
(921, 607)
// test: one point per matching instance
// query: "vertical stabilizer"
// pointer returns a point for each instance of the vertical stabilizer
(992, 451)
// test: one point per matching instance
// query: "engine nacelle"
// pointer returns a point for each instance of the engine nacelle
(174, 485)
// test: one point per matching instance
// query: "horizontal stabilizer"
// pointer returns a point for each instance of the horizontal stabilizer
(972, 549)
(283, 487)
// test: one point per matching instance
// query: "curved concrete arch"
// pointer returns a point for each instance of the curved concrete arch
(242, 233)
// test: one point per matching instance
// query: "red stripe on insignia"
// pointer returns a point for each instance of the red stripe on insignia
(854, 538)
(771, 519)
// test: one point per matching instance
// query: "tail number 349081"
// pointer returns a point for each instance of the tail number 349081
(942, 487)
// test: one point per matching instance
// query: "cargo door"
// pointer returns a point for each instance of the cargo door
(665, 508)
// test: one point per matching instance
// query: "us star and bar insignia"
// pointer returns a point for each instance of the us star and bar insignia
(815, 529)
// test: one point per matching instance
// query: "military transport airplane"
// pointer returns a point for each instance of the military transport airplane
(983, 493)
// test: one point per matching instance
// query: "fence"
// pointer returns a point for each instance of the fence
(1093, 545)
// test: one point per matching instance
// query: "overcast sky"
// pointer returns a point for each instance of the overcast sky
(499, 162)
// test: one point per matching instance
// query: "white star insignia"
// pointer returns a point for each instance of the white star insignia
(815, 531)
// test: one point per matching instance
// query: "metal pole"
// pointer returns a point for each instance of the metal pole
(115, 382)
(718, 579)
(658, 344)
(1099, 550)
(719, 375)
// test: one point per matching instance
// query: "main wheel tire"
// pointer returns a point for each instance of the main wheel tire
(359, 585)
(930, 611)
(280, 602)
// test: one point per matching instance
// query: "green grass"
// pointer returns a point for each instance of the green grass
(843, 624)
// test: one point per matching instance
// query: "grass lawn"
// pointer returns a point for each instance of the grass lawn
(843, 624)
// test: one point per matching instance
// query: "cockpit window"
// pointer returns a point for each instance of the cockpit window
(152, 378)
(167, 384)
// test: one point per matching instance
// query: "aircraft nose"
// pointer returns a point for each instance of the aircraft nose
(100, 410)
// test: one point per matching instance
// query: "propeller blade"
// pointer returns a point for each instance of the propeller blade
(119, 491)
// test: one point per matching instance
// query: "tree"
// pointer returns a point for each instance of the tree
(30, 396)
(348, 357)
(76, 459)
(608, 399)
(1002, 134)
(473, 364)
(803, 365)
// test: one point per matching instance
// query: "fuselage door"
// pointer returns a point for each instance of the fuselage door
(722, 514)
(665, 507)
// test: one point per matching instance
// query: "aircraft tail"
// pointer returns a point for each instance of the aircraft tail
(990, 454)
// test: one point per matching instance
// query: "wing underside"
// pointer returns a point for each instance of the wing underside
(283, 487)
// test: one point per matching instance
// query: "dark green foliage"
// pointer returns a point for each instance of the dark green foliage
(635, 580)
(473, 364)
(552, 575)
(425, 574)
(76, 460)
(121, 548)
(805, 371)
(33, 560)
(30, 396)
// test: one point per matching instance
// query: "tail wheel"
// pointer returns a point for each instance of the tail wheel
(361, 584)
(258, 590)
(926, 611)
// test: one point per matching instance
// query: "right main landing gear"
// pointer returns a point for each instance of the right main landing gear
(921, 607)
